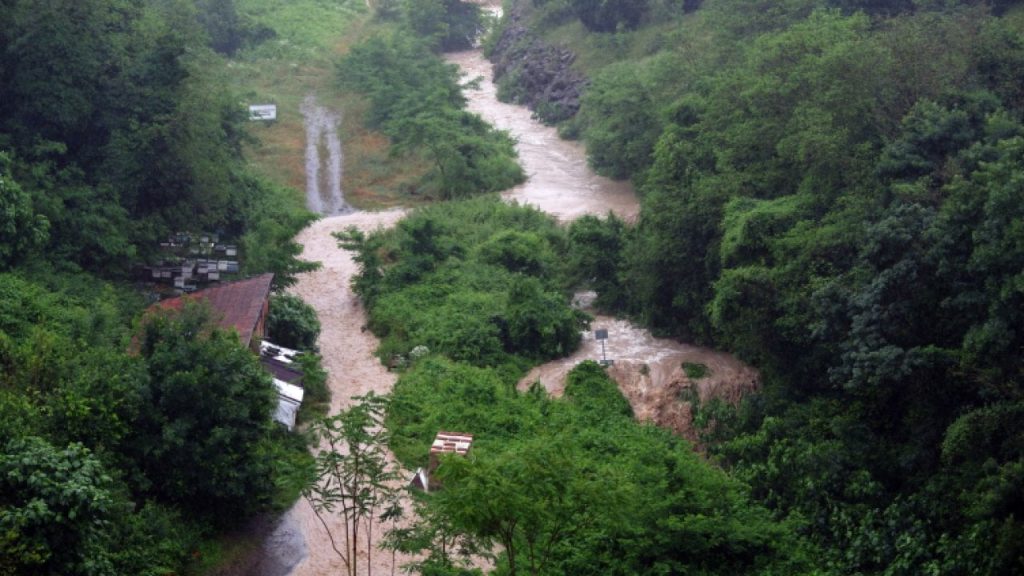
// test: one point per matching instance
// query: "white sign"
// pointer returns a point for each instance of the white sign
(263, 112)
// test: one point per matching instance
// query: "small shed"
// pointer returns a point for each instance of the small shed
(444, 443)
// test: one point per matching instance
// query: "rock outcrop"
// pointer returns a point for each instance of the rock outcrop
(538, 75)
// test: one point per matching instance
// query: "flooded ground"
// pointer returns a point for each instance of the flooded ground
(347, 350)
(649, 370)
(559, 181)
(324, 159)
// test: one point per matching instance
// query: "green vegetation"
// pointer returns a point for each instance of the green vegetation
(465, 296)
(127, 448)
(831, 190)
(695, 370)
(474, 280)
(293, 322)
(416, 100)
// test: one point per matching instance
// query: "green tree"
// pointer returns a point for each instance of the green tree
(21, 229)
(354, 478)
(55, 510)
(205, 417)
(292, 322)
(610, 15)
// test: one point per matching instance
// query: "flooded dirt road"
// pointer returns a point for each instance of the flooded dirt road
(353, 370)
(324, 159)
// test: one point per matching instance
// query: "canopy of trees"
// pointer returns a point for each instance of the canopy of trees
(832, 190)
(115, 133)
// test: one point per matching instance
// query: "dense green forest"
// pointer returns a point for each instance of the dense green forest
(832, 190)
(466, 296)
(124, 448)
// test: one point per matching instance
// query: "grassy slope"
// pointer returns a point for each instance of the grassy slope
(311, 35)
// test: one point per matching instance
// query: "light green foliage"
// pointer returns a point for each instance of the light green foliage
(476, 281)
(594, 393)
(695, 370)
(445, 24)
(575, 486)
(415, 98)
(354, 477)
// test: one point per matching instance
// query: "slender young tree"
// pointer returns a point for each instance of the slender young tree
(354, 478)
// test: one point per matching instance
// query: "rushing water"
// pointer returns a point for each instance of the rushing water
(324, 160)
(560, 183)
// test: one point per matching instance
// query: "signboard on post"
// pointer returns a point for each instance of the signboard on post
(602, 335)
(263, 112)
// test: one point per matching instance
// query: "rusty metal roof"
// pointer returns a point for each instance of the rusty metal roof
(237, 305)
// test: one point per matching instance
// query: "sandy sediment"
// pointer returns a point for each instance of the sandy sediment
(650, 373)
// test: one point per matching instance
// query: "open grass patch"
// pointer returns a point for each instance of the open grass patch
(695, 370)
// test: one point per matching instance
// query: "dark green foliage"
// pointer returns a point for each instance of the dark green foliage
(831, 190)
(621, 126)
(21, 229)
(292, 323)
(206, 416)
(595, 255)
(55, 510)
(610, 15)
(118, 135)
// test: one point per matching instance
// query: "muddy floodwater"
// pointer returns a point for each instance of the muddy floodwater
(559, 181)
(649, 370)
(324, 159)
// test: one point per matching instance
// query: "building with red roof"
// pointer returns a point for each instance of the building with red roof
(241, 305)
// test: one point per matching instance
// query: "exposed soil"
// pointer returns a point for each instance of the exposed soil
(650, 372)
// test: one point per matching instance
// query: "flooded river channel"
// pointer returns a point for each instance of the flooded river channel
(560, 183)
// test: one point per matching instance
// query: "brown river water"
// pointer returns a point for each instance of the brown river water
(560, 183)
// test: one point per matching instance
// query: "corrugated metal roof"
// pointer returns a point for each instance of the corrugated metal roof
(237, 305)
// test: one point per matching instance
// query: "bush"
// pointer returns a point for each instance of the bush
(292, 323)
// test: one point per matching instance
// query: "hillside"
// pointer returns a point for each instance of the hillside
(831, 190)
